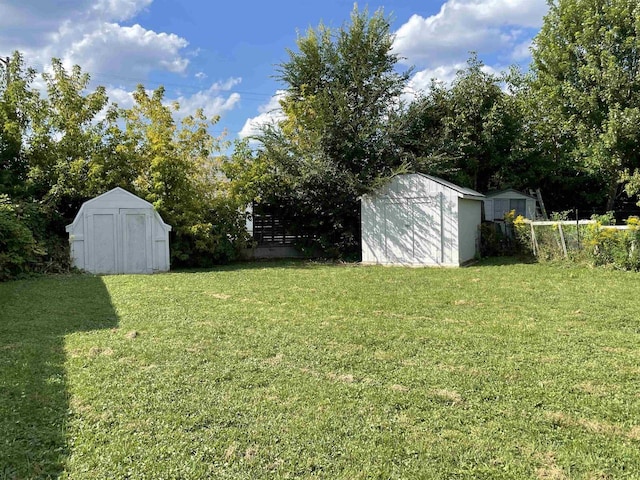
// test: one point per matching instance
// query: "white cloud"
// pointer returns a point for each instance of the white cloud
(119, 10)
(86, 32)
(200, 75)
(421, 81)
(487, 26)
(129, 51)
(123, 98)
(212, 101)
(269, 113)
(522, 51)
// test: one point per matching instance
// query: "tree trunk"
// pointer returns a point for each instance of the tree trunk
(612, 194)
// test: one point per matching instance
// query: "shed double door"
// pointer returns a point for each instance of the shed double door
(119, 240)
(413, 230)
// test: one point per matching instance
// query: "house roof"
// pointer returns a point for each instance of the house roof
(116, 198)
(122, 195)
(508, 190)
(464, 192)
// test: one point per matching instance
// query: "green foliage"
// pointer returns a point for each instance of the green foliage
(586, 62)
(612, 247)
(467, 133)
(15, 98)
(341, 87)
(178, 173)
(481, 128)
(64, 139)
(55, 154)
(599, 244)
(19, 251)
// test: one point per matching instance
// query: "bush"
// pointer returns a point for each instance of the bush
(214, 237)
(611, 247)
(498, 239)
(19, 251)
(596, 244)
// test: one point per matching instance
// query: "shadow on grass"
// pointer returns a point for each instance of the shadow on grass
(35, 316)
(505, 260)
(299, 264)
(264, 264)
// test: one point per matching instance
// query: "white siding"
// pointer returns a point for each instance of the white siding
(498, 204)
(118, 232)
(469, 225)
(414, 220)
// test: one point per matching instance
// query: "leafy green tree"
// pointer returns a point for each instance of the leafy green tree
(341, 88)
(586, 64)
(177, 170)
(481, 129)
(419, 132)
(64, 138)
(467, 133)
(15, 94)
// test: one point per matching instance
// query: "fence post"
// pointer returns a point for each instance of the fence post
(564, 244)
(534, 243)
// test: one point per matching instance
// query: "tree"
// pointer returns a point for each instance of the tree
(176, 170)
(481, 129)
(15, 95)
(64, 138)
(466, 133)
(586, 66)
(341, 88)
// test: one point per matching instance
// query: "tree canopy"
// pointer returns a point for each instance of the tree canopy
(60, 149)
(341, 86)
(586, 65)
(571, 126)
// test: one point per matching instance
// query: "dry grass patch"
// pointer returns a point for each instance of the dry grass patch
(448, 396)
(549, 469)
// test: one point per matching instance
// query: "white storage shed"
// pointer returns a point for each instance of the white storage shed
(419, 219)
(498, 204)
(118, 232)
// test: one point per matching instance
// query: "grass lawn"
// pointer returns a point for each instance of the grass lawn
(296, 370)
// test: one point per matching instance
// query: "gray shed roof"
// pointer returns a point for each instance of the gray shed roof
(464, 192)
(509, 190)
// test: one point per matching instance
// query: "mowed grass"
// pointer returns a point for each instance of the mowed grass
(301, 370)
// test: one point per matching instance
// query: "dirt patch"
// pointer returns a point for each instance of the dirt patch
(98, 351)
(448, 396)
(230, 451)
(595, 390)
(594, 426)
(219, 296)
(275, 360)
(399, 388)
(549, 469)
(250, 453)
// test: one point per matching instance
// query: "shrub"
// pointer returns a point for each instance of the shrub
(612, 247)
(19, 251)
(214, 236)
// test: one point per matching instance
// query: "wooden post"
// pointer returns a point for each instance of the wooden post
(534, 243)
(578, 230)
(564, 244)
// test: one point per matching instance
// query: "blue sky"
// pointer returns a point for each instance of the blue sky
(222, 56)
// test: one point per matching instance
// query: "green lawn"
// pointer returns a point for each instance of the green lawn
(294, 370)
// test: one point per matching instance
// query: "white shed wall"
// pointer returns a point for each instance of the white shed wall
(490, 205)
(415, 221)
(470, 212)
(118, 232)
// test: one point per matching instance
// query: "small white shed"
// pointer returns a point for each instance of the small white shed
(497, 204)
(118, 232)
(421, 220)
